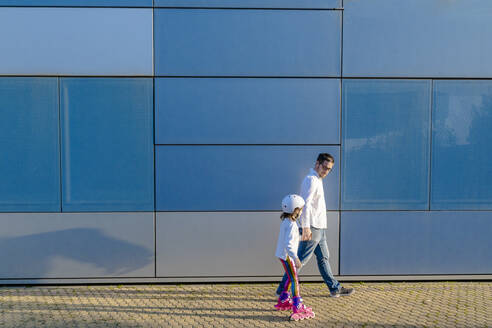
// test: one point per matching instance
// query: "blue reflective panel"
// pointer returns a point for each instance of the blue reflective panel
(76, 41)
(420, 38)
(250, 3)
(461, 143)
(78, 3)
(402, 243)
(208, 178)
(228, 42)
(29, 143)
(247, 111)
(107, 144)
(385, 144)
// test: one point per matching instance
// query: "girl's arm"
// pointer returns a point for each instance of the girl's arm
(292, 243)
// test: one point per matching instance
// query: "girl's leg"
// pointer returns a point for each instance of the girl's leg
(289, 278)
(284, 300)
(290, 268)
(300, 311)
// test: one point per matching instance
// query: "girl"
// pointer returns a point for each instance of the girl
(288, 241)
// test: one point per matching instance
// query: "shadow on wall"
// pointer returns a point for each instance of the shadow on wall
(70, 253)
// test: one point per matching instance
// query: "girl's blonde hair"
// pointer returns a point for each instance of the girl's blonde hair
(293, 216)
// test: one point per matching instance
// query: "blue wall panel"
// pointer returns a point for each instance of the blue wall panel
(78, 3)
(385, 144)
(461, 143)
(325, 4)
(76, 41)
(247, 111)
(208, 178)
(29, 143)
(228, 42)
(404, 243)
(107, 144)
(420, 38)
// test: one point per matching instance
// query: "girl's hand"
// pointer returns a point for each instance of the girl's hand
(298, 263)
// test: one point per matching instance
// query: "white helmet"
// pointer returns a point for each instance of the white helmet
(291, 202)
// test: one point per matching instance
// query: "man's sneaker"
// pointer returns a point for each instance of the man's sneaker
(342, 292)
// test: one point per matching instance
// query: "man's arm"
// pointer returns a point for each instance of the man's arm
(307, 192)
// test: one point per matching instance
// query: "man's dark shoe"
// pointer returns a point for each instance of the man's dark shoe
(346, 291)
(334, 293)
(342, 292)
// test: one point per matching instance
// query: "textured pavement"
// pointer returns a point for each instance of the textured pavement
(413, 304)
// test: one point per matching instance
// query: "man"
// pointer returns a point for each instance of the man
(313, 225)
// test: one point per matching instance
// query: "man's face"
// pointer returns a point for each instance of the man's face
(323, 168)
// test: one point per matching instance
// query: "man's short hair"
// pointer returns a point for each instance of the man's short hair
(325, 157)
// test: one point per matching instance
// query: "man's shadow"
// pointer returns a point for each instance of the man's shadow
(42, 255)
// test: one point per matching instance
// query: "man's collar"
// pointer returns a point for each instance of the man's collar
(313, 172)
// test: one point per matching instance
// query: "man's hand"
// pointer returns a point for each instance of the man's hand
(306, 234)
(298, 263)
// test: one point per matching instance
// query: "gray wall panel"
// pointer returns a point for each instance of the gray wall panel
(226, 244)
(76, 41)
(73, 245)
(408, 243)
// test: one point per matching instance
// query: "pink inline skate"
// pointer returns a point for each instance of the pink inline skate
(284, 302)
(300, 311)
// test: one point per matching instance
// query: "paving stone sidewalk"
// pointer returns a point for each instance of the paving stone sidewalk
(414, 304)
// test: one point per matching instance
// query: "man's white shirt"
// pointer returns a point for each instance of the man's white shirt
(314, 213)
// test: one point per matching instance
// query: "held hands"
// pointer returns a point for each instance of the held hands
(306, 234)
(298, 263)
